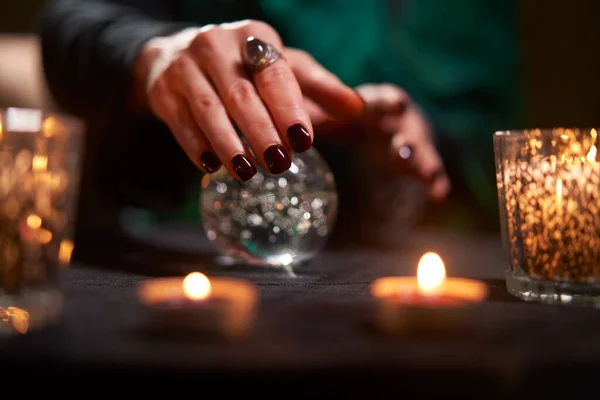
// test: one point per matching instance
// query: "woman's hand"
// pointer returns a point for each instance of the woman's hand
(395, 135)
(196, 82)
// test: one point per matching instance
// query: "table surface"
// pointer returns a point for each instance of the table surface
(318, 322)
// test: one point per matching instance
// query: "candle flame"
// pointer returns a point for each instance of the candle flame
(34, 221)
(591, 155)
(51, 126)
(431, 273)
(196, 286)
(559, 193)
(39, 163)
(65, 250)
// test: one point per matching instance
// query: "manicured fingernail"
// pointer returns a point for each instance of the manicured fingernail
(364, 102)
(243, 167)
(210, 162)
(401, 107)
(299, 138)
(277, 160)
(438, 174)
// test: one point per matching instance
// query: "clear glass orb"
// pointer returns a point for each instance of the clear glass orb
(271, 220)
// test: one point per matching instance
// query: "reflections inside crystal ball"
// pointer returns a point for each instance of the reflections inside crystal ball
(271, 220)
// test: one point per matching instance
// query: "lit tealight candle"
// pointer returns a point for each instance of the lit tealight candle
(197, 304)
(431, 301)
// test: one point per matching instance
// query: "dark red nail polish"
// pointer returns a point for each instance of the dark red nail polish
(363, 106)
(401, 107)
(243, 167)
(277, 160)
(299, 138)
(364, 102)
(210, 162)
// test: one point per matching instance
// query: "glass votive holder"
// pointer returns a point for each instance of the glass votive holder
(39, 180)
(549, 195)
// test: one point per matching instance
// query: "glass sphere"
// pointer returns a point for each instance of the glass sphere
(271, 220)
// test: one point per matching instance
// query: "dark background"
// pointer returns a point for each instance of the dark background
(320, 320)
(558, 58)
(19, 16)
(560, 54)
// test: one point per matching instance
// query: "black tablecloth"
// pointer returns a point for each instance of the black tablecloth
(313, 330)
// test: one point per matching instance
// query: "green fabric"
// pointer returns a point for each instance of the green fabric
(458, 60)
(455, 58)
(343, 35)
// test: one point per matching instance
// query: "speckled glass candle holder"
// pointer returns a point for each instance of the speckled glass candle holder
(39, 180)
(549, 194)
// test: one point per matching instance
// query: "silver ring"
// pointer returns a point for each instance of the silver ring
(406, 152)
(259, 55)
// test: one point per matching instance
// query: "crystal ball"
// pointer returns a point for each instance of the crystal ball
(271, 220)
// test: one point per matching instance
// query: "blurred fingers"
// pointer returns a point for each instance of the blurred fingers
(323, 87)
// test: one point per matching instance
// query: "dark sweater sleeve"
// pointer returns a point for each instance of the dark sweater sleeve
(88, 47)
(130, 159)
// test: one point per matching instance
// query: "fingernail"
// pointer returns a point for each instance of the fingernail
(362, 98)
(434, 176)
(299, 138)
(401, 107)
(277, 160)
(364, 102)
(210, 162)
(243, 167)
